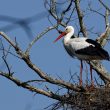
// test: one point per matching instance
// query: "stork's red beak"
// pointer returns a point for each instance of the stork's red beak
(61, 35)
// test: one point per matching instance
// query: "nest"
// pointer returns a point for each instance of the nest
(97, 99)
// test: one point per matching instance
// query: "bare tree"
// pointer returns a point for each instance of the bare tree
(75, 96)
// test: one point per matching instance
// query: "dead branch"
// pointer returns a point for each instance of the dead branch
(66, 10)
(31, 88)
(80, 16)
(8, 39)
(102, 39)
(53, 12)
(104, 5)
(107, 14)
(101, 71)
(38, 37)
(38, 71)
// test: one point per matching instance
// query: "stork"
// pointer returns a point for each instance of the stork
(83, 49)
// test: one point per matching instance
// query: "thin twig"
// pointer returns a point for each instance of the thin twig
(31, 81)
(4, 57)
(38, 37)
(104, 5)
(31, 88)
(8, 39)
(10, 53)
(66, 10)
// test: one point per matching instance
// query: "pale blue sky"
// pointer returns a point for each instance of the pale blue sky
(50, 57)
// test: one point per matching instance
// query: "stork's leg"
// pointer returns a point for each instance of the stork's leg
(92, 82)
(86, 73)
(81, 68)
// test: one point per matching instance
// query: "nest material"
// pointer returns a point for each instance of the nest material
(97, 99)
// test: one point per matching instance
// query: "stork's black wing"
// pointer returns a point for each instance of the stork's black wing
(96, 44)
(94, 52)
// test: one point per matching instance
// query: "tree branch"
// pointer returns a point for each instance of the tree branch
(102, 39)
(101, 71)
(31, 88)
(8, 39)
(53, 12)
(38, 71)
(104, 5)
(38, 37)
(66, 10)
(80, 16)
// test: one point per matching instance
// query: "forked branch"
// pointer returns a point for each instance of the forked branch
(31, 88)
(37, 70)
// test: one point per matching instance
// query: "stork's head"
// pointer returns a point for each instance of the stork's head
(68, 30)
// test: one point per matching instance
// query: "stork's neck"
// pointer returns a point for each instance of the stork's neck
(68, 36)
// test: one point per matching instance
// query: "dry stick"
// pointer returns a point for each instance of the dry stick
(53, 13)
(104, 5)
(66, 10)
(104, 36)
(101, 71)
(53, 6)
(52, 9)
(31, 88)
(38, 37)
(107, 14)
(80, 16)
(70, 16)
(10, 53)
(8, 39)
(31, 81)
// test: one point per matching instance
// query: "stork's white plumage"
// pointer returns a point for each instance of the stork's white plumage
(82, 48)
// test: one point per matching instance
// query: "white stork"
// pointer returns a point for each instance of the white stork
(82, 48)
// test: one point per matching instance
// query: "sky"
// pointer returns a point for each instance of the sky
(50, 57)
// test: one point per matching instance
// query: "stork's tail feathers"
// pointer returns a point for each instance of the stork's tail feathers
(104, 54)
(108, 58)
